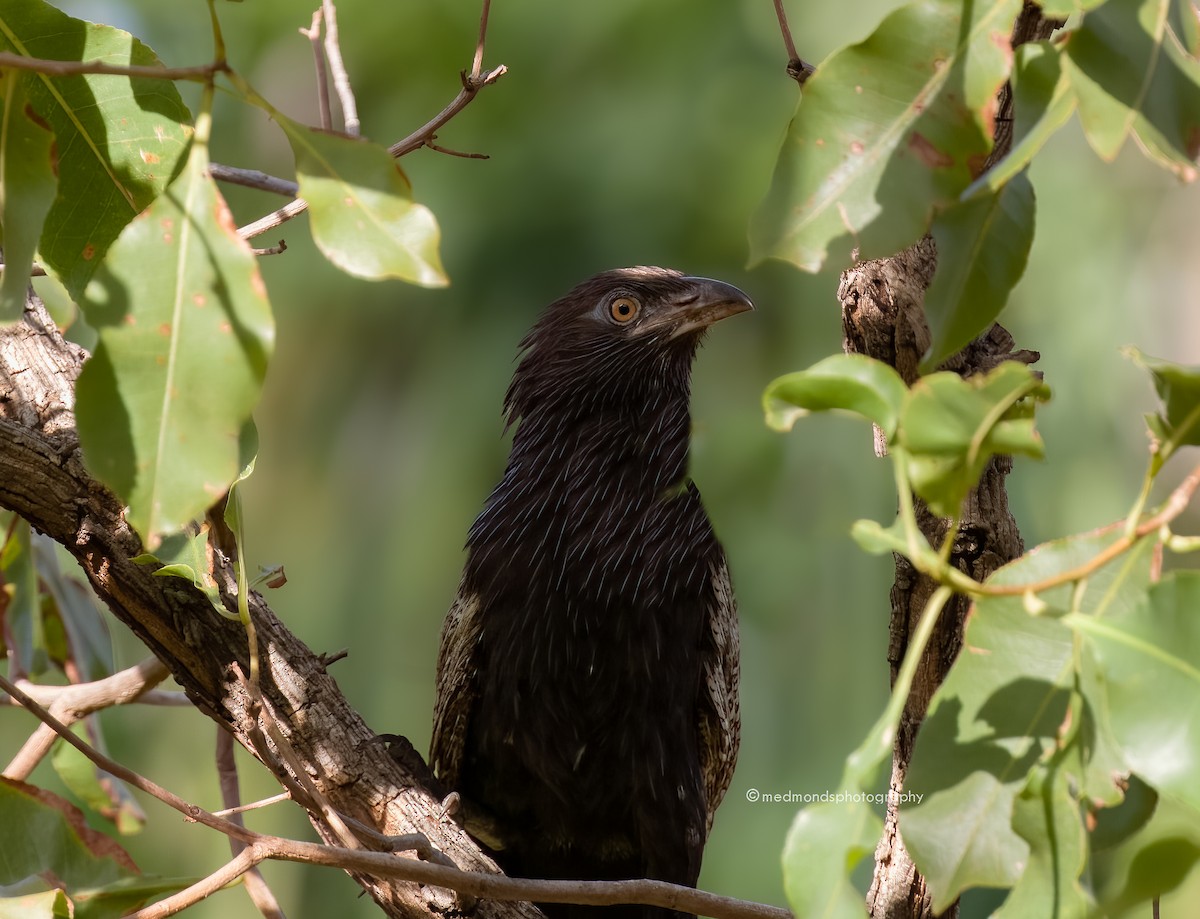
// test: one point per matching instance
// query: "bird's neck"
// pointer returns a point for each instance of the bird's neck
(644, 446)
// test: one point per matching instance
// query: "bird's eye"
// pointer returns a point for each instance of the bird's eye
(624, 309)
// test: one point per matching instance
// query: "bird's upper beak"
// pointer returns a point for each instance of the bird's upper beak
(704, 302)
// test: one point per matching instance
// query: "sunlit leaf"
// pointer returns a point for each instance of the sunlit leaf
(119, 140)
(851, 383)
(1178, 388)
(888, 131)
(1150, 658)
(826, 841)
(1130, 75)
(363, 216)
(982, 247)
(1046, 815)
(27, 188)
(951, 427)
(185, 333)
(1156, 859)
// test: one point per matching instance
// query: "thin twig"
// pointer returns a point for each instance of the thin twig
(78, 700)
(277, 249)
(446, 150)
(199, 74)
(477, 63)
(386, 865)
(241, 864)
(337, 67)
(254, 805)
(252, 178)
(313, 34)
(293, 208)
(470, 89)
(1174, 506)
(256, 886)
(37, 271)
(798, 69)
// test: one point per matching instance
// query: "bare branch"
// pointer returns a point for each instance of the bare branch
(423, 134)
(341, 80)
(252, 178)
(238, 866)
(253, 805)
(278, 249)
(256, 886)
(293, 208)
(78, 700)
(200, 74)
(313, 34)
(477, 63)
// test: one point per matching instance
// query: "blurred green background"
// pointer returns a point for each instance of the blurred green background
(624, 133)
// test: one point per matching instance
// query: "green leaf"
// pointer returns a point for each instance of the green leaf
(88, 641)
(1178, 388)
(39, 832)
(363, 215)
(1042, 103)
(185, 556)
(88, 784)
(982, 247)
(1131, 75)
(998, 712)
(888, 131)
(1150, 660)
(951, 427)
(851, 383)
(27, 188)
(119, 140)
(1189, 26)
(1046, 816)
(825, 843)
(46, 904)
(185, 333)
(1157, 858)
(22, 613)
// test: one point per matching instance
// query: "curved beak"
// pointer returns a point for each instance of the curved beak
(704, 302)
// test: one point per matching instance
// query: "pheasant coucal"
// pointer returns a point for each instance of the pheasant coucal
(587, 682)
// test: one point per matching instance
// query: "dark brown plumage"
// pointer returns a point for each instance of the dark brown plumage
(587, 697)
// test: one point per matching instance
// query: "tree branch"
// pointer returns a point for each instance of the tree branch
(199, 74)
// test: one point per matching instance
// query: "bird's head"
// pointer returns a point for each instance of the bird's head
(623, 336)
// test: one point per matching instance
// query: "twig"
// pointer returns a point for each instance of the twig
(341, 80)
(293, 208)
(470, 89)
(466, 156)
(382, 864)
(313, 34)
(477, 63)
(73, 702)
(256, 886)
(1174, 506)
(277, 249)
(797, 68)
(252, 178)
(254, 805)
(37, 271)
(241, 864)
(199, 74)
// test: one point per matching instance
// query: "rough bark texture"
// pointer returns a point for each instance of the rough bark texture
(42, 478)
(883, 317)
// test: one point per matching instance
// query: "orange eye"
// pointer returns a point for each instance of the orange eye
(624, 309)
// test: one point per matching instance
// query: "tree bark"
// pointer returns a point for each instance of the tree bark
(883, 317)
(43, 478)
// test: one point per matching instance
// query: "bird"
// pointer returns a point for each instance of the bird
(587, 675)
